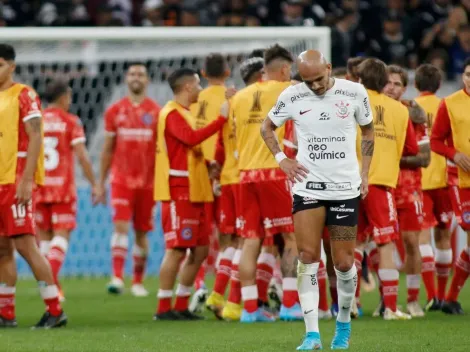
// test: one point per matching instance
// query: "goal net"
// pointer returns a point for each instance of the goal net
(94, 60)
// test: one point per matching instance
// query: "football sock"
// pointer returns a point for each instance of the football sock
(462, 270)
(264, 274)
(346, 283)
(164, 301)
(119, 245)
(234, 295)
(50, 295)
(389, 280)
(224, 269)
(443, 269)
(307, 285)
(182, 297)
(428, 269)
(250, 298)
(7, 301)
(412, 285)
(56, 255)
(139, 257)
(290, 295)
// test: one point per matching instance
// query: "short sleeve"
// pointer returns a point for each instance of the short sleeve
(77, 132)
(109, 122)
(280, 112)
(364, 110)
(30, 104)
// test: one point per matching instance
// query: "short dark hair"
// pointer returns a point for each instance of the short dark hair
(297, 77)
(249, 67)
(466, 63)
(398, 70)
(373, 74)
(215, 65)
(340, 71)
(352, 65)
(276, 52)
(55, 89)
(7, 52)
(256, 53)
(428, 78)
(175, 79)
(136, 63)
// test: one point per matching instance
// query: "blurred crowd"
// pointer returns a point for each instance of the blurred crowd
(404, 32)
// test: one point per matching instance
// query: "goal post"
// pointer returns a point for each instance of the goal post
(94, 60)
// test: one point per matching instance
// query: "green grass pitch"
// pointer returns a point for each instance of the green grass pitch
(99, 322)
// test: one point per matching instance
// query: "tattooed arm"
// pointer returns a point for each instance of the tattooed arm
(417, 113)
(292, 168)
(367, 151)
(269, 136)
(421, 160)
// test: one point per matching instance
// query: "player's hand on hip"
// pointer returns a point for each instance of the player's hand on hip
(462, 161)
(295, 171)
(100, 194)
(224, 109)
(24, 191)
(364, 186)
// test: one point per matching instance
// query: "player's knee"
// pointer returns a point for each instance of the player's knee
(345, 265)
(309, 256)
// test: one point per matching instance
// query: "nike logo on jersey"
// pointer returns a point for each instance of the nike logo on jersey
(341, 217)
(308, 311)
(304, 112)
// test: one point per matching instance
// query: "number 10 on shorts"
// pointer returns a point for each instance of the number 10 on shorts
(19, 210)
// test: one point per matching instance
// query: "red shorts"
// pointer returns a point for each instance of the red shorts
(185, 224)
(265, 208)
(133, 204)
(437, 207)
(410, 213)
(56, 216)
(227, 209)
(378, 216)
(15, 219)
(460, 198)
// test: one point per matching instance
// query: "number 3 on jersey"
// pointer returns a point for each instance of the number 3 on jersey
(50, 152)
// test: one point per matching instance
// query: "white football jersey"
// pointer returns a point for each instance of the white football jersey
(326, 128)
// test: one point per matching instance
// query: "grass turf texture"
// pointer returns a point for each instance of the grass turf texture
(99, 322)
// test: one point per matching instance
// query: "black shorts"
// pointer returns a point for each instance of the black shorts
(338, 212)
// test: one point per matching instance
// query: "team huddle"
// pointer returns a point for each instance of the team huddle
(279, 168)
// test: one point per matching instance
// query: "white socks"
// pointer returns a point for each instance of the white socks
(307, 286)
(346, 285)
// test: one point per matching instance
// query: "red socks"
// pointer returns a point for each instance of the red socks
(250, 298)
(7, 302)
(50, 295)
(443, 269)
(224, 269)
(139, 256)
(56, 256)
(412, 284)
(264, 274)
(119, 245)
(164, 301)
(234, 295)
(428, 269)
(289, 288)
(389, 280)
(462, 271)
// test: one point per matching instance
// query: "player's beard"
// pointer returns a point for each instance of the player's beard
(136, 88)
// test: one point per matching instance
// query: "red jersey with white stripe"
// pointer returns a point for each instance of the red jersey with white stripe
(62, 131)
(409, 180)
(134, 129)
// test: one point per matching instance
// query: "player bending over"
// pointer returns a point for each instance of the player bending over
(182, 185)
(437, 205)
(21, 170)
(450, 139)
(129, 151)
(327, 180)
(408, 193)
(56, 207)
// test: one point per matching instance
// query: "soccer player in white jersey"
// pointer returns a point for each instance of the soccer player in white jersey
(327, 181)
